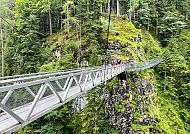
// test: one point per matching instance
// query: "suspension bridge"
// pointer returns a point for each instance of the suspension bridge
(25, 98)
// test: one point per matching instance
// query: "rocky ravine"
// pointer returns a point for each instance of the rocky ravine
(131, 105)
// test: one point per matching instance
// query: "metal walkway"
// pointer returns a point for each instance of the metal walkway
(25, 98)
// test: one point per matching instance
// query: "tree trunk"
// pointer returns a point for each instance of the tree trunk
(176, 4)
(50, 23)
(58, 22)
(101, 8)
(88, 6)
(105, 8)
(108, 6)
(67, 20)
(148, 27)
(2, 49)
(77, 32)
(165, 79)
(130, 11)
(61, 24)
(118, 11)
(130, 16)
(186, 16)
(156, 27)
(61, 19)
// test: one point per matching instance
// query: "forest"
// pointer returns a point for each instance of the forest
(51, 35)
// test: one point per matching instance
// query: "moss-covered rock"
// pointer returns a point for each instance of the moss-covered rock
(131, 106)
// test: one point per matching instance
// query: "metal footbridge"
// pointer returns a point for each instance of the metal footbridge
(25, 98)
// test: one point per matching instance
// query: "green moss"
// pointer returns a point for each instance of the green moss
(138, 127)
(150, 45)
(137, 116)
(119, 107)
(169, 121)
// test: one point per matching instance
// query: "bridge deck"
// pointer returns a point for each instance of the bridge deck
(49, 91)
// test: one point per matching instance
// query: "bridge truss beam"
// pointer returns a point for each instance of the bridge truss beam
(48, 91)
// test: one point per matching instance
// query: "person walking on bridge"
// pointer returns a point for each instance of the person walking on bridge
(114, 63)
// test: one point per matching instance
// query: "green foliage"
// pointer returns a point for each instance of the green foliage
(174, 80)
(169, 120)
(79, 33)
(119, 107)
(171, 25)
(141, 128)
(26, 46)
(53, 123)
(144, 14)
(52, 66)
(137, 117)
(92, 119)
(150, 45)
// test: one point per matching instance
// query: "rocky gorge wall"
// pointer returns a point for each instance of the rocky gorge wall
(131, 104)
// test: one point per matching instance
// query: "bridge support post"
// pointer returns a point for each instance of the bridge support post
(11, 113)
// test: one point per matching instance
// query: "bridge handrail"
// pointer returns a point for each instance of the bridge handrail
(133, 66)
(39, 73)
(43, 75)
(26, 99)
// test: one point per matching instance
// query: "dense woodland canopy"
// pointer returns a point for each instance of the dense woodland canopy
(49, 35)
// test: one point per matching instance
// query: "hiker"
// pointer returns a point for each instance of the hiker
(118, 61)
(114, 63)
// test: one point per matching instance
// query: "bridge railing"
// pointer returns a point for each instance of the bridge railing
(26, 98)
(6, 79)
(28, 77)
(18, 91)
(142, 65)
